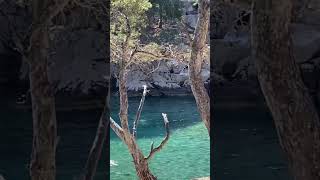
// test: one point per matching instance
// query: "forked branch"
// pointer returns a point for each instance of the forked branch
(164, 141)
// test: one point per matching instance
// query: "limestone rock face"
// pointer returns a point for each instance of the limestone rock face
(162, 74)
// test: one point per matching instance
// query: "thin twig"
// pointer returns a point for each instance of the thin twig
(154, 69)
(164, 141)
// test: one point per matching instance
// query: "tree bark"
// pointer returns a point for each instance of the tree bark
(143, 170)
(123, 132)
(294, 114)
(140, 162)
(42, 165)
(195, 64)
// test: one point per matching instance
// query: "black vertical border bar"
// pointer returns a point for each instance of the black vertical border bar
(211, 90)
(108, 74)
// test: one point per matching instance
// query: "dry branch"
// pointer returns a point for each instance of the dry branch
(164, 141)
(154, 69)
(135, 123)
(136, 51)
(117, 129)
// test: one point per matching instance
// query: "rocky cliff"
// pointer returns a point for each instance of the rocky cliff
(78, 58)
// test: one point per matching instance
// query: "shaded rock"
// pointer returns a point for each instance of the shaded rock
(80, 61)
(245, 70)
(306, 41)
(311, 15)
(228, 52)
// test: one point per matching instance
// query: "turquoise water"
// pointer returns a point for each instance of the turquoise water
(185, 156)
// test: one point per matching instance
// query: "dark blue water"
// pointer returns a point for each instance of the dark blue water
(76, 132)
(247, 146)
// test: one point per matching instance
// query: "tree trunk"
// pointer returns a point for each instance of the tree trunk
(42, 165)
(195, 64)
(144, 172)
(141, 165)
(295, 116)
(123, 131)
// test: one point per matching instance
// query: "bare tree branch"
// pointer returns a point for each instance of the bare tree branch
(136, 51)
(154, 69)
(164, 141)
(135, 123)
(117, 129)
(150, 54)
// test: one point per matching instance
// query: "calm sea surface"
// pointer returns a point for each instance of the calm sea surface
(246, 146)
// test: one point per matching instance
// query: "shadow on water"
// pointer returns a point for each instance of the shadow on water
(247, 146)
(75, 129)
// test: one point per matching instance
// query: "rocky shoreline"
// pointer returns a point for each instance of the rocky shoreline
(227, 96)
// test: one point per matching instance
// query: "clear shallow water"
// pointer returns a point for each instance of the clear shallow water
(187, 153)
